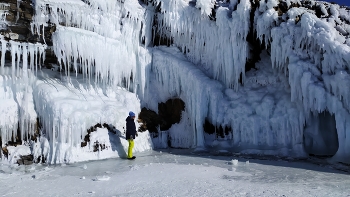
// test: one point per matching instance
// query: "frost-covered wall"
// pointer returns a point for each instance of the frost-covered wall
(307, 40)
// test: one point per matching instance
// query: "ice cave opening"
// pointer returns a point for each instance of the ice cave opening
(320, 135)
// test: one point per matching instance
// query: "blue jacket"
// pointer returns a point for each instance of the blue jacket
(130, 128)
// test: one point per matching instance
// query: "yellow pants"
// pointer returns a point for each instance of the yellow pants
(131, 146)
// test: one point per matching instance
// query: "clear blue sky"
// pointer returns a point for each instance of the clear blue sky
(340, 2)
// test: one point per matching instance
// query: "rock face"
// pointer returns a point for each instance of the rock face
(169, 113)
(25, 160)
(218, 130)
(17, 27)
(87, 137)
(18, 18)
(97, 145)
(149, 120)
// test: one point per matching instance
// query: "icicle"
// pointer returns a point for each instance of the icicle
(13, 56)
(25, 57)
(3, 52)
(18, 4)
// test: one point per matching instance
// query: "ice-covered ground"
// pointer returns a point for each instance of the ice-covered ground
(175, 173)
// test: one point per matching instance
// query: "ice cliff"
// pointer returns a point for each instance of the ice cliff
(275, 72)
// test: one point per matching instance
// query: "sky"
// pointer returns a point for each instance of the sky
(340, 2)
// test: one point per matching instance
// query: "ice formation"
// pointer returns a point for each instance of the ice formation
(18, 88)
(275, 108)
(256, 117)
(219, 47)
(3, 13)
(67, 108)
(316, 76)
(205, 5)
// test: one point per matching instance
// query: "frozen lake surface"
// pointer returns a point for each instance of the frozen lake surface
(176, 173)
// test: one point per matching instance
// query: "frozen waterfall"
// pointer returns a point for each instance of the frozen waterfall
(109, 62)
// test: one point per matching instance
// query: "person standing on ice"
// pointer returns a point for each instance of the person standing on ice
(131, 133)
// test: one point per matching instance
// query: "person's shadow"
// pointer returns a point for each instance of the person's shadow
(114, 136)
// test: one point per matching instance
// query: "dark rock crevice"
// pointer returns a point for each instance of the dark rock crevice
(169, 113)
(98, 146)
(219, 131)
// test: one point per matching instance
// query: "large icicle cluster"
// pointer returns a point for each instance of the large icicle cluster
(202, 97)
(17, 82)
(101, 40)
(68, 109)
(109, 48)
(106, 18)
(24, 55)
(218, 47)
(16, 106)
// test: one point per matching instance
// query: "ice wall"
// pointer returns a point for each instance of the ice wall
(314, 54)
(261, 115)
(312, 51)
(69, 107)
(180, 78)
(100, 40)
(106, 41)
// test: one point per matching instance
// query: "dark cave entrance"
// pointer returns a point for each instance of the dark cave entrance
(320, 135)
